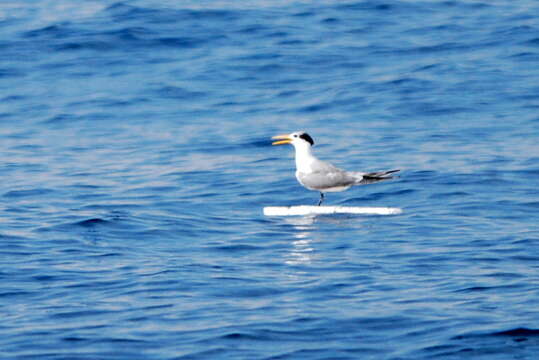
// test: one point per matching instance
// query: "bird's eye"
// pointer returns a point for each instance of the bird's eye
(295, 135)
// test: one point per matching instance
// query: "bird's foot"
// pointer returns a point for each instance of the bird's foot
(321, 199)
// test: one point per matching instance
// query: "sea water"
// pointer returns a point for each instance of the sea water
(136, 161)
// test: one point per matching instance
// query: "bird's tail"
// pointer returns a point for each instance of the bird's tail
(373, 177)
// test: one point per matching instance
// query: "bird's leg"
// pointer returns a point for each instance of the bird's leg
(321, 198)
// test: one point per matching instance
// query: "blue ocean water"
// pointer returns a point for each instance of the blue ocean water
(136, 160)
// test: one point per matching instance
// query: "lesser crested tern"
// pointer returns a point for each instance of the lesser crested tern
(318, 175)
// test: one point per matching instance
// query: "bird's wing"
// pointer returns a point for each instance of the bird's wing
(325, 176)
(319, 166)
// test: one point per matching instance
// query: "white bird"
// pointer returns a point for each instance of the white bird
(318, 175)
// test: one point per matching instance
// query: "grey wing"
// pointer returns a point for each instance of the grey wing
(324, 167)
(325, 176)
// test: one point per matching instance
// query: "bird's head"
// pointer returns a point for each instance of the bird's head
(298, 139)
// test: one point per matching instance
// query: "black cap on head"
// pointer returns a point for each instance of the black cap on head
(307, 138)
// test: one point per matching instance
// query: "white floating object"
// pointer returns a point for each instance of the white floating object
(318, 210)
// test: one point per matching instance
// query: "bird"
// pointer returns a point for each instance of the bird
(317, 175)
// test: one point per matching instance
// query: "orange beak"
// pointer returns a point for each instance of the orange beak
(283, 139)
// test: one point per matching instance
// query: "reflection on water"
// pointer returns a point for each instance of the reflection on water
(304, 232)
(302, 251)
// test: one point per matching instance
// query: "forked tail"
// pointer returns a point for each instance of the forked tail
(373, 177)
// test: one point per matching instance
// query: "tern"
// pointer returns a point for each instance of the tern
(318, 175)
